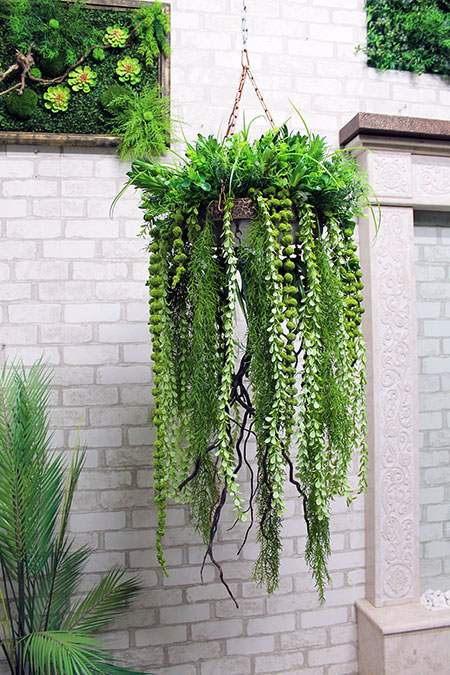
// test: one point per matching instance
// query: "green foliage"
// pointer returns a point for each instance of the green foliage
(41, 630)
(297, 383)
(82, 79)
(22, 105)
(57, 98)
(143, 121)
(53, 65)
(152, 32)
(128, 70)
(51, 26)
(116, 36)
(404, 35)
(57, 49)
(113, 93)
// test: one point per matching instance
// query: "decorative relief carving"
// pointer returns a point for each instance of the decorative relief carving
(433, 179)
(391, 174)
(395, 295)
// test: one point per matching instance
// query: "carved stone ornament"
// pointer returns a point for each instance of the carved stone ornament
(390, 174)
(433, 180)
(395, 354)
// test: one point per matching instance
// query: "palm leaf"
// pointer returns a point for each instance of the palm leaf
(62, 653)
(103, 603)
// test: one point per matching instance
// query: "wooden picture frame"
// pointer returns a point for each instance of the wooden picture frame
(91, 140)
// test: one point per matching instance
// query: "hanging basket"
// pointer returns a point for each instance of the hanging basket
(295, 382)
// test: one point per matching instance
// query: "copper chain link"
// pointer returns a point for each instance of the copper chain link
(234, 113)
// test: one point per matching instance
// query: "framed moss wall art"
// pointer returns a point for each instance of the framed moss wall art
(85, 73)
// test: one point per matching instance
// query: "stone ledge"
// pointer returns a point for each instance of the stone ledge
(403, 618)
(392, 125)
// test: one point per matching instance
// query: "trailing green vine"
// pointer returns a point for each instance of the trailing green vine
(404, 35)
(296, 384)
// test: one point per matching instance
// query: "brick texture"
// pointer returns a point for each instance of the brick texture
(432, 264)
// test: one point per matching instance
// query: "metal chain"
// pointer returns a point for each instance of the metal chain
(234, 113)
(244, 25)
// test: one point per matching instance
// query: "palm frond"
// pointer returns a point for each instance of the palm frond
(62, 653)
(103, 603)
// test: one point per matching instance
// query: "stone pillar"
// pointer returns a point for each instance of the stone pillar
(392, 506)
(408, 167)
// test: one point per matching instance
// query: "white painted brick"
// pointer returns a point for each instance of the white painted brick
(15, 168)
(438, 513)
(124, 333)
(324, 617)
(92, 229)
(185, 614)
(13, 208)
(193, 652)
(302, 639)
(34, 313)
(68, 249)
(125, 290)
(100, 270)
(137, 311)
(98, 438)
(91, 354)
(30, 355)
(69, 291)
(210, 630)
(91, 312)
(235, 666)
(436, 328)
(250, 645)
(136, 248)
(86, 188)
(126, 540)
(267, 625)
(15, 251)
(35, 229)
(57, 208)
(180, 576)
(123, 374)
(90, 396)
(18, 335)
(5, 273)
(30, 188)
(430, 421)
(41, 270)
(137, 353)
(136, 395)
(310, 48)
(161, 636)
(274, 664)
(437, 549)
(323, 657)
(114, 416)
(100, 208)
(15, 291)
(87, 522)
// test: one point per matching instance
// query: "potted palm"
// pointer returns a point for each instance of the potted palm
(295, 382)
(43, 630)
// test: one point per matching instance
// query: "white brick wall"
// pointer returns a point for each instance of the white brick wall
(73, 288)
(432, 264)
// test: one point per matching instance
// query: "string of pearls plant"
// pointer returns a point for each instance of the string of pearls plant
(295, 385)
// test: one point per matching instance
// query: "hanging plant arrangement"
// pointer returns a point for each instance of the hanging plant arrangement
(69, 68)
(295, 383)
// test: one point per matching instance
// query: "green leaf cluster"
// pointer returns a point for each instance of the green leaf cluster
(42, 630)
(296, 384)
(404, 35)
